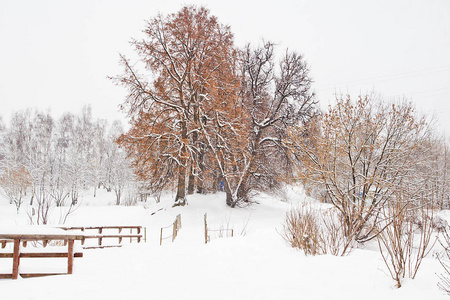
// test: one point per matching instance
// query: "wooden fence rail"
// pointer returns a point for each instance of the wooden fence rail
(141, 233)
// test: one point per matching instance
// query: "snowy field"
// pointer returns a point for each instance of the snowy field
(254, 264)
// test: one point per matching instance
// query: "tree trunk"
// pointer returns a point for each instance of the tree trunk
(201, 178)
(180, 199)
(242, 191)
(191, 183)
(231, 202)
(192, 179)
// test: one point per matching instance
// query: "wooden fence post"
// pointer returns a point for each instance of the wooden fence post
(120, 231)
(100, 230)
(206, 230)
(179, 221)
(174, 230)
(138, 232)
(70, 257)
(160, 237)
(16, 259)
(145, 234)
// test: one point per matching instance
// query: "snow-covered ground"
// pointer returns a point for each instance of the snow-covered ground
(254, 264)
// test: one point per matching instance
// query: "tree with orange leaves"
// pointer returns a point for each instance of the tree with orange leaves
(183, 56)
(15, 182)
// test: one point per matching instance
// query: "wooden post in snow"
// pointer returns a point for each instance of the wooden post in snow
(70, 257)
(100, 230)
(139, 232)
(16, 259)
(174, 230)
(206, 230)
(131, 232)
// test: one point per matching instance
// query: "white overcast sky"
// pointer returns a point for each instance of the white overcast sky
(57, 54)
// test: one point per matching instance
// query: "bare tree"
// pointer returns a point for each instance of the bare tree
(362, 153)
(249, 137)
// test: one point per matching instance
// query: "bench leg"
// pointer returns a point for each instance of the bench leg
(16, 259)
(70, 258)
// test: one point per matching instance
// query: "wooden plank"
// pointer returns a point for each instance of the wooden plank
(40, 255)
(98, 227)
(40, 237)
(31, 275)
(49, 254)
(101, 247)
(96, 236)
(5, 276)
(16, 259)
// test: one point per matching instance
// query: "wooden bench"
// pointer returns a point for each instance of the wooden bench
(20, 235)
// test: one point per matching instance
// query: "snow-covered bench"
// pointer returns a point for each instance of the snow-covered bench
(23, 234)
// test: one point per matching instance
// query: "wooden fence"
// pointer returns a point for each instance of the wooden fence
(136, 232)
(176, 226)
(222, 232)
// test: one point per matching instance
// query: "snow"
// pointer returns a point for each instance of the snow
(36, 230)
(254, 264)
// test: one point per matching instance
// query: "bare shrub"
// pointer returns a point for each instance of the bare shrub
(302, 230)
(444, 260)
(405, 237)
(131, 198)
(316, 232)
(336, 242)
(42, 212)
